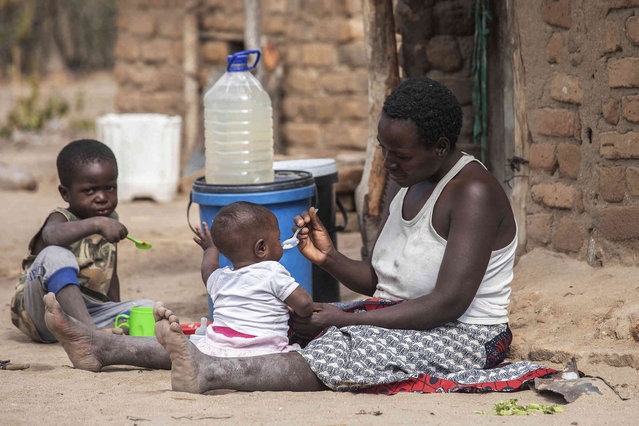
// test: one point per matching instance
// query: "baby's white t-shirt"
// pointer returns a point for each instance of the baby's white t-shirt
(251, 299)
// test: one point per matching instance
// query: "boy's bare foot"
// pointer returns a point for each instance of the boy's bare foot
(184, 355)
(74, 336)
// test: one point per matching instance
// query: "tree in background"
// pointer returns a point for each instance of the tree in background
(82, 32)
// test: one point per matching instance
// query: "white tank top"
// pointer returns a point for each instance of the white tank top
(408, 254)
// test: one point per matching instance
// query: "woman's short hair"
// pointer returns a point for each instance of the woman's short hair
(430, 105)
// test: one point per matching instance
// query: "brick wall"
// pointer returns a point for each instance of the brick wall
(322, 52)
(324, 83)
(148, 68)
(581, 62)
(436, 40)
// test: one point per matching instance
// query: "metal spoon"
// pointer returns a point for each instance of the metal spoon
(140, 244)
(293, 241)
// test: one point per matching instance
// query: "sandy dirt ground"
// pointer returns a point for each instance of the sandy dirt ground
(561, 308)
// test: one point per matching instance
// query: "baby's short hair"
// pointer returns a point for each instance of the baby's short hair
(79, 153)
(238, 223)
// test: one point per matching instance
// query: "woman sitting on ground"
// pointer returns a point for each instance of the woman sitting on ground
(441, 269)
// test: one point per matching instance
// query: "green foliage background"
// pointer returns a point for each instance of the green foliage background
(83, 31)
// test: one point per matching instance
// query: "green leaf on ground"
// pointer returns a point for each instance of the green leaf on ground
(511, 408)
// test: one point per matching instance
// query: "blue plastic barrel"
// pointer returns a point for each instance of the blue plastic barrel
(287, 196)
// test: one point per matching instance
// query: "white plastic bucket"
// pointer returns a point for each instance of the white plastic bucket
(147, 148)
(318, 167)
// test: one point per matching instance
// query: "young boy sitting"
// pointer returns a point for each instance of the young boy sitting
(252, 299)
(74, 254)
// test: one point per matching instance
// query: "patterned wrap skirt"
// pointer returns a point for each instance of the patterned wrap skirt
(453, 357)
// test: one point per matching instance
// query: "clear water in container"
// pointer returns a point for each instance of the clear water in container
(238, 127)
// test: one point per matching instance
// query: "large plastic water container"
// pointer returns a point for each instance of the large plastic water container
(288, 195)
(238, 126)
(147, 149)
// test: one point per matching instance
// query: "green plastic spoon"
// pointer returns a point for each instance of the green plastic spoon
(140, 244)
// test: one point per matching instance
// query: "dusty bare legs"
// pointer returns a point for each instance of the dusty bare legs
(72, 304)
(70, 299)
(193, 371)
(91, 349)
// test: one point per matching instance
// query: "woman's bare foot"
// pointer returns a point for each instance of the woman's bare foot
(184, 355)
(75, 337)
(161, 312)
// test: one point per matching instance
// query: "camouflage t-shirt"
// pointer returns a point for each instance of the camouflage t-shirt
(96, 259)
(95, 256)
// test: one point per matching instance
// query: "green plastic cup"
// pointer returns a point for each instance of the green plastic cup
(140, 322)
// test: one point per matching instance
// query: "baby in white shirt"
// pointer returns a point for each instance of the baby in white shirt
(253, 298)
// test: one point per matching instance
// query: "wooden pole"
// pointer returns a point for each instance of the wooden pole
(253, 31)
(190, 65)
(270, 72)
(273, 83)
(383, 76)
(522, 132)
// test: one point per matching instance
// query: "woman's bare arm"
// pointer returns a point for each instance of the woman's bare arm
(472, 233)
(316, 245)
(358, 275)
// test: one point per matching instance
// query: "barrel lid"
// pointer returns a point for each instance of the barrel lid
(316, 166)
(284, 179)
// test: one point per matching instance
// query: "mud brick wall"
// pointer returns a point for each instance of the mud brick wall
(323, 89)
(148, 53)
(322, 62)
(581, 60)
(322, 54)
(436, 40)
(321, 51)
(322, 59)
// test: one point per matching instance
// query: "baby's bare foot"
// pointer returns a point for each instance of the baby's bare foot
(183, 354)
(75, 337)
